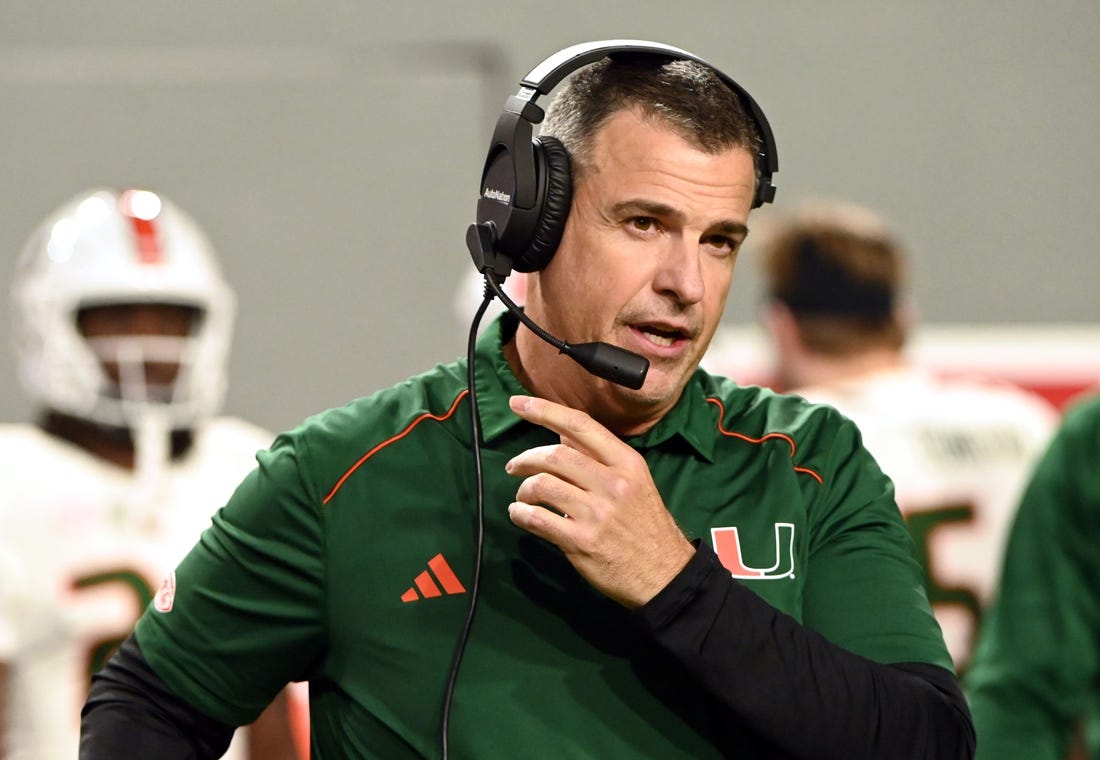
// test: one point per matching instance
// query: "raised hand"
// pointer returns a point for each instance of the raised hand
(593, 497)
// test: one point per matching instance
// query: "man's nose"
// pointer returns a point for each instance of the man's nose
(679, 272)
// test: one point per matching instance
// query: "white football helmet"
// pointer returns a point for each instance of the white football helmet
(108, 247)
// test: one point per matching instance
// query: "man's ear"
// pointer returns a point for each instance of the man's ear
(906, 314)
(781, 325)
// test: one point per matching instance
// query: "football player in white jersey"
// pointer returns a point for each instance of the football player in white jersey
(121, 324)
(958, 449)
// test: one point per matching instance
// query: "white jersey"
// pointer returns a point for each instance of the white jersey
(959, 451)
(79, 561)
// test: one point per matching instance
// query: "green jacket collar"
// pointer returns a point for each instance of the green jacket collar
(691, 420)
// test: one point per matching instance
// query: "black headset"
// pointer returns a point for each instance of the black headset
(526, 185)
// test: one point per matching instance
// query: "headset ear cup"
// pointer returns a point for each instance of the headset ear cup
(557, 198)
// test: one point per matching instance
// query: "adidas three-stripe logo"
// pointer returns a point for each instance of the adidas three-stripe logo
(426, 584)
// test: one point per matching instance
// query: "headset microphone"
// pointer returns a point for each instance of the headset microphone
(601, 359)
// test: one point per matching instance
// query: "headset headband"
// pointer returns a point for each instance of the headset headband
(525, 187)
(548, 74)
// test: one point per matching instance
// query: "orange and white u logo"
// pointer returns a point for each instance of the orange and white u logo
(727, 545)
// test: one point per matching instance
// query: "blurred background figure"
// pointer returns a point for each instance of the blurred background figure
(957, 448)
(122, 324)
(1035, 682)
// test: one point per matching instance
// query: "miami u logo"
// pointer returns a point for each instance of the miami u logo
(727, 545)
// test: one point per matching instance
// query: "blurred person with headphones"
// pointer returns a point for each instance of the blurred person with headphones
(587, 549)
(121, 323)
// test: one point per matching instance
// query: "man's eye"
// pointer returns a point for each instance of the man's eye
(722, 243)
(642, 223)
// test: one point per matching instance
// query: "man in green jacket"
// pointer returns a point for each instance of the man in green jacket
(517, 556)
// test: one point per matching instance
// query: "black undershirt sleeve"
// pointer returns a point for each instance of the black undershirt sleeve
(130, 712)
(797, 691)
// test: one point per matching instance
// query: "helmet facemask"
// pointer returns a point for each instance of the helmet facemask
(146, 354)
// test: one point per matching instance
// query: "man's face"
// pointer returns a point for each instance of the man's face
(145, 323)
(645, 263)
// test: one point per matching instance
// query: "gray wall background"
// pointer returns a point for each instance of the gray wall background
(332, 150)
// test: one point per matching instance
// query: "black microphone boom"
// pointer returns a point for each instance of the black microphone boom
(610, 362)
(604, 360)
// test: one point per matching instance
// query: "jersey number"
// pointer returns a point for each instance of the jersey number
(921, 527)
